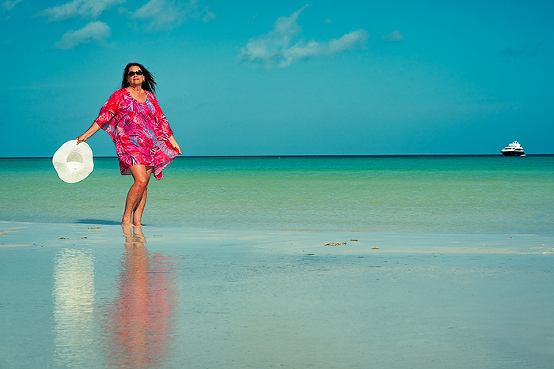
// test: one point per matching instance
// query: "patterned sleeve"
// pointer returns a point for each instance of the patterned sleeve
(163, 124)
(108, 110)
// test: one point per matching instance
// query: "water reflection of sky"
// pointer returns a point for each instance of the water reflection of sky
(133, 327)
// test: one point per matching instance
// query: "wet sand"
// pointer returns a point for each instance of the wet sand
(78, 295)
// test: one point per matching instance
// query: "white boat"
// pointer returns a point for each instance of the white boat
(513, 149)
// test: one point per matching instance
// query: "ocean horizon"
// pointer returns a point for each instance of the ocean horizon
(291, 156)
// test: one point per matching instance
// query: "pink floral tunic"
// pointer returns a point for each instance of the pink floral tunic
(140, 131)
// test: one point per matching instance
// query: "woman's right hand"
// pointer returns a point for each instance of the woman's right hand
(81, 138)
(85, 136)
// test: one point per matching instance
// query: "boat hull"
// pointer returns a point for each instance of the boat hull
(513, 149)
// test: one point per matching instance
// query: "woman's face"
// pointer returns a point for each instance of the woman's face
(133, 78)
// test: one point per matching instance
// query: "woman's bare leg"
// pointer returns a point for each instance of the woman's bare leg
(136, 198)
(137, 215)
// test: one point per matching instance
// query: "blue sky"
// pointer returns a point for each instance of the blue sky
(286, 77)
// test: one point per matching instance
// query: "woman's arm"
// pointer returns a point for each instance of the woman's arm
(174, 144)
(105, 117)
(92, 130)
(163, 124)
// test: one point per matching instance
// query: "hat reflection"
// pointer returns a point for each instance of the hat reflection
(73, 297)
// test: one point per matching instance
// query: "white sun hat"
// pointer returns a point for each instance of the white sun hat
(73, 162)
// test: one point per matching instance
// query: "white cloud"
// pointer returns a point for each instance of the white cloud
(271, 47)
(208, 15)
(276, 48)
(394, 36)
(93, 32)
(348, 41)
(10, 4)
(160, 13)
(167, 14)
(79, 8)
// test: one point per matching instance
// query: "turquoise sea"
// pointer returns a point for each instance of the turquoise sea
(399, 194)
(402, 261)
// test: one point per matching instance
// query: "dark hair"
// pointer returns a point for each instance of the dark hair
(148, 84)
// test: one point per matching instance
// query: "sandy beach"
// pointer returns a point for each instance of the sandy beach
(88, 295)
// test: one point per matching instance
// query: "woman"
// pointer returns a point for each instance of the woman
(143, 139)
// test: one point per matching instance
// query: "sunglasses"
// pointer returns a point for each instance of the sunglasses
(138, 73)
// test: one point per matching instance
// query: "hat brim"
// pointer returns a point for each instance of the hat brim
(73, 162)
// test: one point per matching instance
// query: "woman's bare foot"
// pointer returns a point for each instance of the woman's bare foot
(126, 223)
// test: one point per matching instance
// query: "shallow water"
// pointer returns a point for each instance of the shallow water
(463, 278)
(73, 296)
(423, 194)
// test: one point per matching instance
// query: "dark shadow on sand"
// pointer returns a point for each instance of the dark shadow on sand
(98, 221)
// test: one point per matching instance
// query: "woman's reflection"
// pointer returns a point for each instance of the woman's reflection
(141, 327)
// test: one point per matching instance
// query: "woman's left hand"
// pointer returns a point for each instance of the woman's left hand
(175, 144)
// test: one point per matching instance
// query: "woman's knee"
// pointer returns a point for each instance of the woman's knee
(141, 183)
(141, 175)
